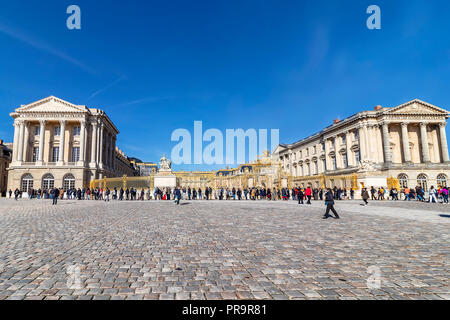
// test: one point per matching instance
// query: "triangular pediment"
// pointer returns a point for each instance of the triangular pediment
(279, 149)
(52, 104)
(416, 107)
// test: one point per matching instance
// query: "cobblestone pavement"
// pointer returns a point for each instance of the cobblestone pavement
(222, 250)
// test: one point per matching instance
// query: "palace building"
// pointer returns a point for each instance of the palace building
(57, 143)
(406, 144)
(60, 144)
(5, 160)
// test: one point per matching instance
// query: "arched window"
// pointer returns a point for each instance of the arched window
(403, 180)
(26, 183)
(68, 182)
(441, 180)
(48, 181)
(422, 181)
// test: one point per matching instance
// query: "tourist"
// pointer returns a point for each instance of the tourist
(308, 193)
(432, 195)
(365, 196)
(177, 195)
(329, 202)
(56, 193)
(300, 196)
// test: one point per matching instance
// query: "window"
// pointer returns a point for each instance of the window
(422, 181)
(75, 154)
(403, 180)
(307, 152)
(55, 154)
(334, 163)
(48, 181)
(300, 154)
(26, 183)
(76, 131)
(316, 167)
(332, 142)
(357, 157)
(68, 182)
(315, 149)
(356, 133)
(345, 161)
(57, 131)
(441, 180)
(35, 154)
(344, 139)
(37, 130)
(324, 164)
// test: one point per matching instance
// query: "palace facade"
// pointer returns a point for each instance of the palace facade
(5, 160)
(406, 144)
(59, 144)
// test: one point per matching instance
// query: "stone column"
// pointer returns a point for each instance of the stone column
(94, 144)
(82, 142)
(112, 151)
(16, 140)
(327, 150)
(100, 158)
(349, 149)
(444, 146)
(386, 144)
(366, 143)
(41, 141)
(21, 141)
(424, 138)
(62, 141)
(362, 144)
(405, 140)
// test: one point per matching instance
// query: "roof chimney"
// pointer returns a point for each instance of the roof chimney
(377, 108)
(336, 121)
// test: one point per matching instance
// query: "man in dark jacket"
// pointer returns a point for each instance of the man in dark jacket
(55, 196)
(177, 195)
(300, 196)
(329, 201)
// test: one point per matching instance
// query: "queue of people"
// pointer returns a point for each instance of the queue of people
(300, 194)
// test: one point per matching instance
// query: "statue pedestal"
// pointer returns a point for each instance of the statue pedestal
(165, 179)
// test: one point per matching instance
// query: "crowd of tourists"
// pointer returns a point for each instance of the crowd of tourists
(302, 195)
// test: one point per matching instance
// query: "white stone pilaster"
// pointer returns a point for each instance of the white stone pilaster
(21, 141)
(94, 145)
(405, 141)
(62, 141)
(41, 141)
(82, 142)
(444, 145)
(16, 140)
(386, 143)
(424, 141)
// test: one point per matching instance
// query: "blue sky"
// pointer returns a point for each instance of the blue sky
(155, 66)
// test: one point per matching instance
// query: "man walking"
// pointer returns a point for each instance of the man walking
(365, 196)
(55, 196)
(329, 201)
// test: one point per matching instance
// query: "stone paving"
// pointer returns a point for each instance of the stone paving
(222, 250)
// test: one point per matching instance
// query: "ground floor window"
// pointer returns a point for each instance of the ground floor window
(403, 180)
(441, 180)
(48, 182)
(68, 182)
(422, 181)
(26, 183)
